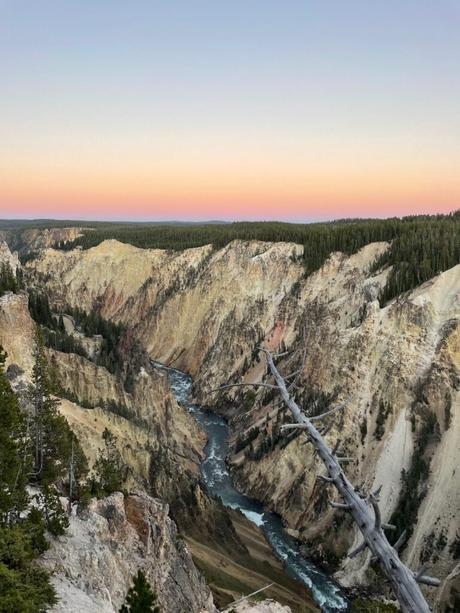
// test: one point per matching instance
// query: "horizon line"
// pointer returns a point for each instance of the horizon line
(206, 221)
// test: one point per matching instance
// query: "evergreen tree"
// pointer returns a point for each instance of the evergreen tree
(109, 470)
(140, 598)
(49, 504)
(54, 445)
(8, 281)
(24, 588)
(14, 464)
(421, 246)
(47, 425)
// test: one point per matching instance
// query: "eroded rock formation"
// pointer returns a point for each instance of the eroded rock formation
(94, 562)
(207, 311)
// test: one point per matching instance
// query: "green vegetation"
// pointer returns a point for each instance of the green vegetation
(37, 448)
(40, 311)
(13, 452)
(448, 411)
(61, 341)
(372, 606)
(56, 519)
(421, 247)
(109, 471)
(94, 324)
(56, 337)
(140, 598)
(427, 247)
(383, 412)
(23, 586)
(52, 327)
(413, 488)
(8, 280)
(244, 440)
(50, 435)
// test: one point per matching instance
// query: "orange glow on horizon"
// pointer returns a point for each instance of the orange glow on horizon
(262, 191)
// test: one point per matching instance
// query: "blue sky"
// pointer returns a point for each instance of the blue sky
(209, 109)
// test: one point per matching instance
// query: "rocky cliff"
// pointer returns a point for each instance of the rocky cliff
(105, 545)
(17, 331)
(33, 240)
(200, 310)
(153, 432)
(7, 257)
(206, 311)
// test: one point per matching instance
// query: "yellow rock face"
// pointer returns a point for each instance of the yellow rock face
(206, 311)
(17, 331)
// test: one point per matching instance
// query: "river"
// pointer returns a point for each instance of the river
(217, 480)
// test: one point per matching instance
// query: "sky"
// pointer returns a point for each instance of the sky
(253, 109)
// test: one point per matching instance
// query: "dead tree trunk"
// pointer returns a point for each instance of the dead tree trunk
(404, 581)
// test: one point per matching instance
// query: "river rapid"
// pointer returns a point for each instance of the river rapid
(218, 483)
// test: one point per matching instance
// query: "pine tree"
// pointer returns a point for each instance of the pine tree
(53, 441)
(13, 459)
(109, 470)
(8, 282)
(45, 423)
(49, 504)
(24, 587)
(140, 598)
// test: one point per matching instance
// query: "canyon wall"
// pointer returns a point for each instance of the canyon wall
(29, 240)
(206, 311)
(94, 562)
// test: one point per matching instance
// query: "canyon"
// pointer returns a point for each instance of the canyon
(205, 311)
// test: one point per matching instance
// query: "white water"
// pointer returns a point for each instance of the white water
(218, 483)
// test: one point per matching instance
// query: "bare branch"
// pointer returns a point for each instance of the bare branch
(293, 426)
(376, 494)
(421, 572)
(336, 446)
(426, 580)
(378, 516)
(399, 543)
(293, 374)
(340, 505)
(357, 550)
(223, 387)
(339, 407)
(243, 598)
(401, 578)
(388, 526)
(420, 577)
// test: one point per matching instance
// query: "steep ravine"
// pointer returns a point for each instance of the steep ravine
(162, 447)
(218, 483)
(206, 311)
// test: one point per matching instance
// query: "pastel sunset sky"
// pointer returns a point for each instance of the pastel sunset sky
(242, 109)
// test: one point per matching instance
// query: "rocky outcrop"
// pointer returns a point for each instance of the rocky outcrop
(206, 311)
(105, 545)
(199, 310)
(94, 562)
(155, 436)
(33, 240)
(149, 405)
(17, 331)
(6, 257)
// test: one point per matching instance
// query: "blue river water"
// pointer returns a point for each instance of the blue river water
(218, 482)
